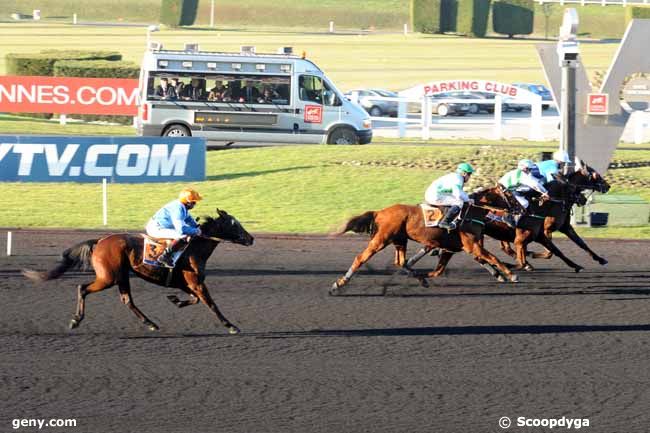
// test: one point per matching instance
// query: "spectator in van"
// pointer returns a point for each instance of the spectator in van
(249, 93)
(267, 96)
(178, 86)
(164, 90)
(219, 93)
(195, 91)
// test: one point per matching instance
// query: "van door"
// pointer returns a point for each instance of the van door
(310, 111)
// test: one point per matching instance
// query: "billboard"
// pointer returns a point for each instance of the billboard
(90, 159)
(69, 95)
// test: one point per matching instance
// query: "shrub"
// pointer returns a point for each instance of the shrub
(425, 16)
(43, 63)
(175, 13)
(473, 17)
(632, 12)
(513, 17)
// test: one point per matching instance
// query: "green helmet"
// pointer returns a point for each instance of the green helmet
(464, 168)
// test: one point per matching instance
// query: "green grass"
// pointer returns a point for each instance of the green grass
(298, 189)
(390, 61)
(10, 125)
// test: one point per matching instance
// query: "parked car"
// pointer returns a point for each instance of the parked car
(376, 107)
(540, 90)
(509, 104)
(443, 108)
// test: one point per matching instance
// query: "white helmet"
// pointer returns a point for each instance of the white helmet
(561, 156)
(525, 164)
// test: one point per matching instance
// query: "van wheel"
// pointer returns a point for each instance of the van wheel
(176, 131)
(375, 111)
(343, 136)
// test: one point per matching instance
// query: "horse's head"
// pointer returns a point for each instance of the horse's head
(497, 197)
(226, 227)
(585, 177)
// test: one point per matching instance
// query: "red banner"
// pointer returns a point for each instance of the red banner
(69, 95)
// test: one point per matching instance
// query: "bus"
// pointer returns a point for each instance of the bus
(244, 97)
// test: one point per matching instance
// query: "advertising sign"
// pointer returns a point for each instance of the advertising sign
(69, 95)
(597, 103)
(313, 114)
(90, 159)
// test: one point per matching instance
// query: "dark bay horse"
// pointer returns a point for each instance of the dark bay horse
(570, 189)
(399, 223)
(115, 256)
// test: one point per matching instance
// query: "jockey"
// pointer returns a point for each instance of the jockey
(448, 191)
(173, 221)
(549, 168)
(521, 181)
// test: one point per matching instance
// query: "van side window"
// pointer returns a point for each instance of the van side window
(311, 88)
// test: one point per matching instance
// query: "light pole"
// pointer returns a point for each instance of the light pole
(568, 52)
(151, 29)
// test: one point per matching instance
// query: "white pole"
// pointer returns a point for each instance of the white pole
(638, 127)
(74, 18)
(8, 243)
(498, 133)
(406, 29)
(62, 119)
(402, 113)
(105, 201)
(536, 133)
(331, 26)
(212, 14)
(426, 118)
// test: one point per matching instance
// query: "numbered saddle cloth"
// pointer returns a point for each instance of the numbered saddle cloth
(432, 215)
(154, 247)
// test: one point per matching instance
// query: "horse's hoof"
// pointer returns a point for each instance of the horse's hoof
(528, 268)
(334, 290)
(74, 323)
(578, 269)
(232, 329)
(602, 261)
(152, 326)
(424, 283)
(501, 279)
(514, 278)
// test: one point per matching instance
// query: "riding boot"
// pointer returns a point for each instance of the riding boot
(166, 258)
(511, 220)
(448, 221)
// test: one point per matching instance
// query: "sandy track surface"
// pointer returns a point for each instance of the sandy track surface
(452, 358)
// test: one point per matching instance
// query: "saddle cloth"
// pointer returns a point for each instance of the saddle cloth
(431, 215)
(154, 247)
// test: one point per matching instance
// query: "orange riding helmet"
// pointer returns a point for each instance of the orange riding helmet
(188, 195)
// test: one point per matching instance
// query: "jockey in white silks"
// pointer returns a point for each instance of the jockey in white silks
(448, 191)
(520, 181)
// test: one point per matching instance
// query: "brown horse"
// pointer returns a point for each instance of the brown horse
(114, 256)
(399, 223)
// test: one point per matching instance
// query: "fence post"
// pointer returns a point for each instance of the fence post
(331, 26)
(8, 243)
(104, 202)
(498, 115)
(74, 18)
(536, 133)
(63, 119)
(212, 13)
(406, 29)
(401, 114)
(639, 126)
(426, 118)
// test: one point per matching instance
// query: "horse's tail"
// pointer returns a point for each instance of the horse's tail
(364, 223)
(75, 257)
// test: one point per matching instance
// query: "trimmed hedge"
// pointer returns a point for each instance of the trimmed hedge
(425, 16)
(97, 69)
(175, 13)
(449, 15)
(632, 12)
(473, 17)
(513, 17)
(43, 63)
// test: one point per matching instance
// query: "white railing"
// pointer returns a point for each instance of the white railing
(598, 2)
(427, 120)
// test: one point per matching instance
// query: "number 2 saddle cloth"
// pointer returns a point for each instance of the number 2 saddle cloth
(432, 214)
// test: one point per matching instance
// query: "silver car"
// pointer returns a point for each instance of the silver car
(376, 107)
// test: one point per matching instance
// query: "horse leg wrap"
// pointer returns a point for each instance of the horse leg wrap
(416, 258)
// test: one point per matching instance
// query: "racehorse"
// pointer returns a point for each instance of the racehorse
(582, 179)
(399, 223)
(114, 256)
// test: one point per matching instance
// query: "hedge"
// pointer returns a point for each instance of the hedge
(425, 16)
(513, 17)
(175, 13)
(473, 17)
(43, 63)
(97, 69)
(449, 15)
(632, 12)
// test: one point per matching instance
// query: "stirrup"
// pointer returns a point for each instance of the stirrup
(448, 226)
(166, 260)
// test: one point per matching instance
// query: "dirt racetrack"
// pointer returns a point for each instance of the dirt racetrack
(452, 358)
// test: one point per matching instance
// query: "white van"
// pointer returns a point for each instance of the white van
(245, 97)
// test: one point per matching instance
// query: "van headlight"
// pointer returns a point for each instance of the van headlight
(367, 123)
